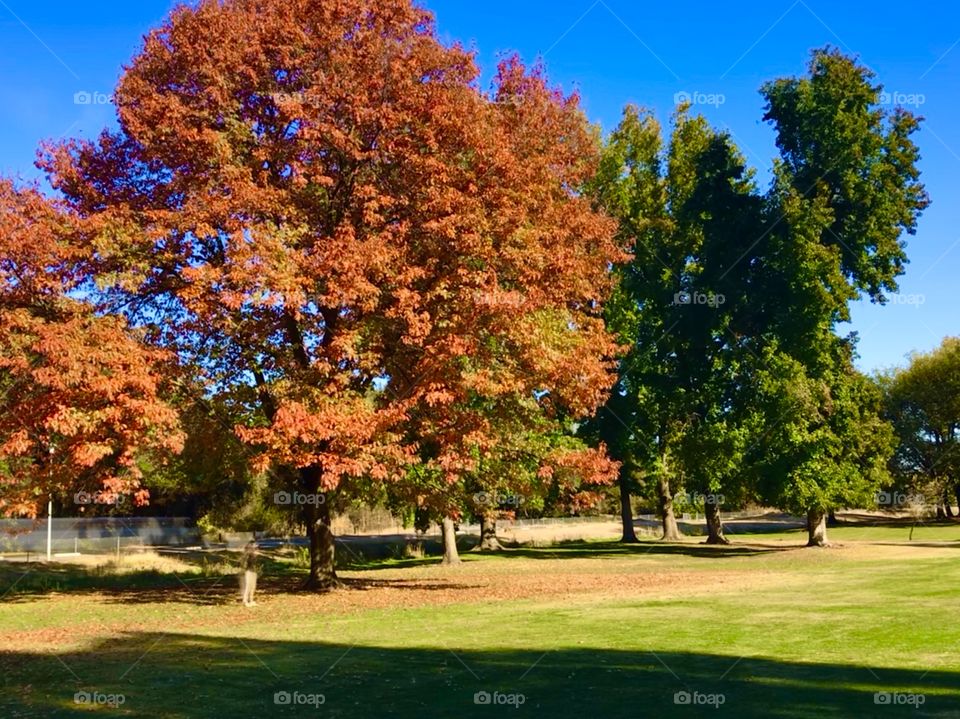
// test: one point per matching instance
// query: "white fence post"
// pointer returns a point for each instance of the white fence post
(49, 528)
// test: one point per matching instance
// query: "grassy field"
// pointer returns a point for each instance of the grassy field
(763, 628)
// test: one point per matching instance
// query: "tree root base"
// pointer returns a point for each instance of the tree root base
(719, 541)
(321, 585)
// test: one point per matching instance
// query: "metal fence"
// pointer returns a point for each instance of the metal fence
(94, 535)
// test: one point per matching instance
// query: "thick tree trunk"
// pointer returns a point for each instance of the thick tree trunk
(450, 553)
(947, 501)
(323, 570)
(488, 533)
(671, 530)
(817, 528)
(714, 523)
(626, 513)
(956, 491)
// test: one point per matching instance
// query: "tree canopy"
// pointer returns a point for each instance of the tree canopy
(314, 207)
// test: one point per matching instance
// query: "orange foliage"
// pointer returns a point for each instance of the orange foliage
(78, 393)
(308, 197)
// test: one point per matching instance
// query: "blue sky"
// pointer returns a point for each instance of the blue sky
(613, 52)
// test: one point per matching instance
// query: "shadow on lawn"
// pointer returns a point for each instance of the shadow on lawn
(185, 675)
(24, 582)
(213, 583)
(577, 549)
(21, 582)
(583, 550)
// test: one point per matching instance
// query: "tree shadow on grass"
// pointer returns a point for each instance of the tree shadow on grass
(24, 582)
(582, 550)
(578, 549)
(855, 519)
(185, 675)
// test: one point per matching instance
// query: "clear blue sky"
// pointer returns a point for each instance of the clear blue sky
(614, 52)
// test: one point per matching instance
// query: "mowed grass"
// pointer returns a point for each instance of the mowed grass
(760, 629)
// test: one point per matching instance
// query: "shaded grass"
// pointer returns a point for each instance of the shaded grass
(222, 677)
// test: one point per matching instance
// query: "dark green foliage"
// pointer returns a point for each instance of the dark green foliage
(736, 381)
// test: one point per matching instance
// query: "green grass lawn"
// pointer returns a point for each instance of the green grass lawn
(577, 630)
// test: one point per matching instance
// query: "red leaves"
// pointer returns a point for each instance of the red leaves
(78, 394)
(344, 437)
(34, 259)
(579, 473)
(310, 197)
(80, 404)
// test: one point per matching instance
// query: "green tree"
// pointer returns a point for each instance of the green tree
(846, 189)
(688, 211)
(786, 264)
(923, 403)
(824, 442)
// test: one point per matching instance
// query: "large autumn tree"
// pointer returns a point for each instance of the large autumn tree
(79, 404)
(511, 346)
(312, 204)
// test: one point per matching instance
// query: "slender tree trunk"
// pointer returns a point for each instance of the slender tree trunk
(323, 570)
(714, 524)
(450, 553)
(832, 518)
(947, 501)
(488, 533)
(626, 513)
(956, 491)
(671, 530)
(817, 528)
